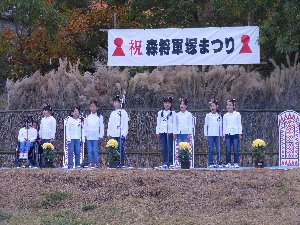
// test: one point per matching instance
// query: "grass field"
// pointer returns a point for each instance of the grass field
(256, 196)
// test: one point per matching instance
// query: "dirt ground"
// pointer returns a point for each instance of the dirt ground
(50, 196)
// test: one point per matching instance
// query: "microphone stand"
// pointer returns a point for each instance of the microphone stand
(81, 141)
(120, 126)
(120, 137)
(168, 155)
(65, 138)
(27, 143)
(220, 119)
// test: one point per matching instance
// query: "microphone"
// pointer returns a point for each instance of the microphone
(81, 117)
(123, 100)
(220, 115)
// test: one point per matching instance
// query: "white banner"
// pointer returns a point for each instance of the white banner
(188, 46)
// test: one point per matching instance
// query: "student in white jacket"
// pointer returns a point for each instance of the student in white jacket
(27, 137)
(213, 133)
(232, 129)
(47, 128)
(74, 136)
(94, 132)
(166, 130)
(184, 123)
(118, 127)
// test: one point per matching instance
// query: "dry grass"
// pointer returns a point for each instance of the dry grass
(67, 87)
(150, 197)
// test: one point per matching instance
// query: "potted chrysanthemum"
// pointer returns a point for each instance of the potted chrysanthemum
(48, 154)
(184, 155)
(259, 153)
(113, 154)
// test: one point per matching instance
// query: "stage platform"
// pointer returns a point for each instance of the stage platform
(236, 169)
(158, 169)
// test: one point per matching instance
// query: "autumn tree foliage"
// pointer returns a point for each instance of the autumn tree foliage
(42, 31)
(34, 34)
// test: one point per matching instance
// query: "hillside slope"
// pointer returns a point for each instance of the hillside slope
(256, 196)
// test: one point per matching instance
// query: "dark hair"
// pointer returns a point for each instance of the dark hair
(184, 100)
(47, 107)
(95, 102)
(167, 99)
(37, 124)
(28, 119)
(75, 107)
(117, 98)
(213, 101)
(232, 100)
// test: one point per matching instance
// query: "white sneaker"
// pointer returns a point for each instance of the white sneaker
(236, 165)
(220, 166)
(211, 166)
(162, 167)
(228, 165)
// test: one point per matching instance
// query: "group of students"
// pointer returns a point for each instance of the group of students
(91, 130)
(29, 134)
(170, 126)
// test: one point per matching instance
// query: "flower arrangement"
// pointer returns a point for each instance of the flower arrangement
(258, 152)
(48, 152)
(113, 154)
(184, 154)
(258, 143)
(112, 143)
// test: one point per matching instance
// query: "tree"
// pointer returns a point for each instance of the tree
(279, 22)
(160, 14)
(45, 30)
(282, 25)
(35, 23)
